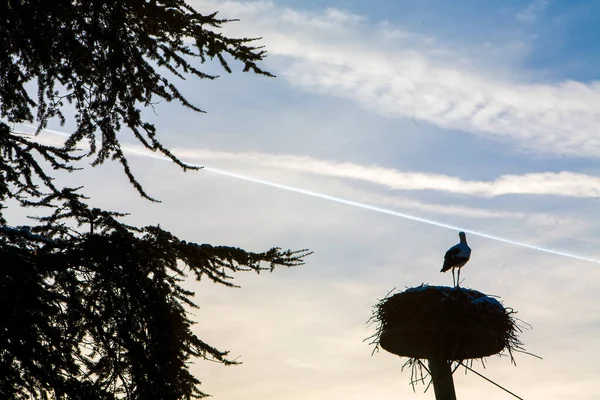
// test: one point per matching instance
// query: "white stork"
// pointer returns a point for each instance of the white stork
(456, 257)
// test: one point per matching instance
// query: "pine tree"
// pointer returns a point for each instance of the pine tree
(93, 308)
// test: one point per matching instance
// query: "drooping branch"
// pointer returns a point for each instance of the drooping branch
(103, 313)
(108, 63)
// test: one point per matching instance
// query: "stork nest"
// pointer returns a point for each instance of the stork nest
(438, 321)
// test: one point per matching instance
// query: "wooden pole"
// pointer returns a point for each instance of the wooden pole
(441, 374)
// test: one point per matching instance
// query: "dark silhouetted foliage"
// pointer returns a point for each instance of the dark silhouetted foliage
(107, 59)
(92, 308)
(102, 315)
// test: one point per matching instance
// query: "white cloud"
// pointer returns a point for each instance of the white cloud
(529, 15)
(544, 183)
(346, 56)
(564, 183)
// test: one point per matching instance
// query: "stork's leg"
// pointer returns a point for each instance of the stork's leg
(458, 281)
(453, 281)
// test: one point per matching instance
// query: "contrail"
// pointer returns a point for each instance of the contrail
(360, 205)
(396, 214)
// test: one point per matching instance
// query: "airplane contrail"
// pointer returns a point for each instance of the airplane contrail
(360, 205)
(397, 214)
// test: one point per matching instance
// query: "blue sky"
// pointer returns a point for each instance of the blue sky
(562, 30)
(482, 115)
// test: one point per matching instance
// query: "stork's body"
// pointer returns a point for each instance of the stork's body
(456, 257)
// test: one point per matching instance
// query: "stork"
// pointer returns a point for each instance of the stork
(456, 257)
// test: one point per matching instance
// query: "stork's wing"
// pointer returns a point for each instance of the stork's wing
(452, 252)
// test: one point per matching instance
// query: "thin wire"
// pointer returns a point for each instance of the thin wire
(489, 380)
(361, 205)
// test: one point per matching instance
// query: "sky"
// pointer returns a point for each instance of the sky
(479, 115)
